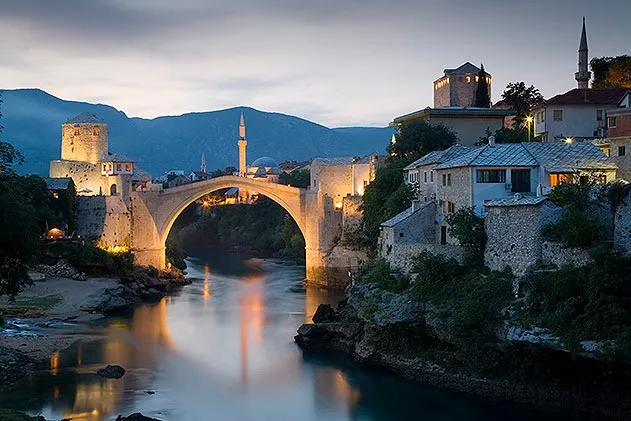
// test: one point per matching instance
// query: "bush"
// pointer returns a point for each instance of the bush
(90, 259)
(468, 229)
(379, 273)
(574, 230)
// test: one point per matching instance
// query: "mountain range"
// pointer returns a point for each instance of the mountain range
(32, 122)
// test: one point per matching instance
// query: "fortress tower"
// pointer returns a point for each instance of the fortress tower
(84, 139)
(583, 75)
(242, 145)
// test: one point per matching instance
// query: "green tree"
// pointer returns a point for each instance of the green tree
(419, 137)
(468, 229)
(522, 99)
(298, 178)
(611, 72)
(506, 135)
(482, 97)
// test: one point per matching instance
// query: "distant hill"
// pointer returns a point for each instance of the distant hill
(32, 121)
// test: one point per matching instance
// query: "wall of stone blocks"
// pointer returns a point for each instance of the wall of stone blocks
(352, 219)
(86, 146)
(402, 255)
(105, 219)
(622, 226)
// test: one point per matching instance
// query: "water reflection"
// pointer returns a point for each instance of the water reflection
(229, 358)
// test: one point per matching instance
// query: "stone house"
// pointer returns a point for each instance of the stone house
(579, 114)
(618, 142)
(457, 87)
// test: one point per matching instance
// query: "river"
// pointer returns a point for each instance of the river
(222, 349)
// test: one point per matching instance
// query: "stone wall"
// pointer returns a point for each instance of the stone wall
(87, 175)
(623, 162)
(401, 255)
(105, 219)
(622, 227)
(556, 255)
(89, 145)
(352, 219)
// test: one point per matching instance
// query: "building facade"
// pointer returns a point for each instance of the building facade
(618, 142)
(457, 87)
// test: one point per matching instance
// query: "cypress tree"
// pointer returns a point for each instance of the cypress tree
(482, 98)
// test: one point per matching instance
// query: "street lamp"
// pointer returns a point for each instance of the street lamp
(529, 120)
(569, 140)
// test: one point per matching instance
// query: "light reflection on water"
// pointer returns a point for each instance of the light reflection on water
(222, 350)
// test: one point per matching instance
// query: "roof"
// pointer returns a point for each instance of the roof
(85, 118)
(516, 201)
(116, 157)
(462, 112)
(552, 156)
(465, 68)
(438, 157)
(398, 218)
(61, 183)
(604, 96)
(583, 44)
(265, 162)
(500, 155)
(342, 160)
(568, 157)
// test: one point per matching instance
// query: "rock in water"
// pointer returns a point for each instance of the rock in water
(324, 314)
(136, 417)
(112, 372)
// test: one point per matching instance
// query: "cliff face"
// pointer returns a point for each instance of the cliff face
(377, 327)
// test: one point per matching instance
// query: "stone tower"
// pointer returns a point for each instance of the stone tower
(242, 144)
(583, 75)
(457, 87)
(84, 139)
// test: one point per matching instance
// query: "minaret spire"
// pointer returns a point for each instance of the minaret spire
(583, 75)
(203, 162)
(242, 144)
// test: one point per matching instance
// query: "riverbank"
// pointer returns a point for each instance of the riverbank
(52, 314)
(380, 328)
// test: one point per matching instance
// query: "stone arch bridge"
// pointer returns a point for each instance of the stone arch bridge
(154, 212)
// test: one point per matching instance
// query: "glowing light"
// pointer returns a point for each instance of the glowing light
(338, 205)
(529, 119)
(54, 363)
(569, 140)
(116, 249)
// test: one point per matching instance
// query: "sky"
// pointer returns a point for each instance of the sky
(335, 62)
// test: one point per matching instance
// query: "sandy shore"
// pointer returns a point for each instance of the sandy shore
(52, 313)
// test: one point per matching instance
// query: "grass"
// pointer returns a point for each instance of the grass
(38, 303)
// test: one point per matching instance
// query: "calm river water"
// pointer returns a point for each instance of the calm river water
(222, 349)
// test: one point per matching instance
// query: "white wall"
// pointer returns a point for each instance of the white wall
(578, 121)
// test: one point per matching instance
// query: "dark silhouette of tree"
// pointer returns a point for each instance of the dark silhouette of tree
(611, 72)
(418, 138)
(482, 97)
(522, 99)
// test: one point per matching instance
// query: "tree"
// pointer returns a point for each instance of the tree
(611, 72)
(522, 99)
(506, 135)
(418, 138)
(298, 178)
(482, 97)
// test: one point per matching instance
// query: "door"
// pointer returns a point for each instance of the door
(520, 181)
(443, 235)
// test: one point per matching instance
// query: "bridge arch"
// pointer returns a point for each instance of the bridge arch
(289, 198)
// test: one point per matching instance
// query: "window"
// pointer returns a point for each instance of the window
(557, 115)
(449, 179)
(55, 195)
(556, 179)
(128, 169)
(77, 131)
(491, 176)
(444, 179)
(104, 167)
(95, 131)
(431, 176)
(425, 177)
(451, 207)
(118, 167)
(477, 78)
(520, 181)
(601, 179)
(599, 115)
(541, 117)
(611, 122)
(467, 79)
(400, 234)
(622, 150)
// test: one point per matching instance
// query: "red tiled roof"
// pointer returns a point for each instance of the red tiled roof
(608, 96)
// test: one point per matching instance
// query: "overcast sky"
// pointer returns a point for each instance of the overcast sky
(335, 62)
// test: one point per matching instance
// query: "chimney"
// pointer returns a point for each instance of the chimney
(491, 140)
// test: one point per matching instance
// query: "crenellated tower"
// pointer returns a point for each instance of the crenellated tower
(242, 145)
(583, 75)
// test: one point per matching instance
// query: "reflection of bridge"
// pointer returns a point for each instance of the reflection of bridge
(153, 215)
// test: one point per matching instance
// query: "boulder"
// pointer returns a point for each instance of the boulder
(136, 417)
(36, 276)
(384, 308)
(324, 314)
(111, 372)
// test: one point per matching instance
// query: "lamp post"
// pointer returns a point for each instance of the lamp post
(529, 120)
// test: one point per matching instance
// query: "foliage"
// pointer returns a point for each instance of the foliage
(90, 259)
(506, 135)
(522, 99)
(583, 303)
(420, 137)
(64, 209)
(370, 308)
(574, 229)
(174, 251)
(468, 229)
(379, 273)
(299, 178)
(475, 296)
(482, 97)
(221, 173)
(611, 72)
(385, 196)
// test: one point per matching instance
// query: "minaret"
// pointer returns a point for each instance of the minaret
(583, 75)
(242, 144)
(203, 162)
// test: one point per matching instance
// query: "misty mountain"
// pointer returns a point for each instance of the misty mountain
(32, 121)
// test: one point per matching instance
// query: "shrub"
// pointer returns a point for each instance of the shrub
(379, 273)
(468, 229)
(574, 230)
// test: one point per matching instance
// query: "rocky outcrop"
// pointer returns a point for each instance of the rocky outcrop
(136, 417)
(14, 365)
(61, 269)
(512, 363)
(111, 372)
(324, 313)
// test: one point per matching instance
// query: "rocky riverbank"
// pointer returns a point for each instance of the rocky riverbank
(54, 312)
(412, 338)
